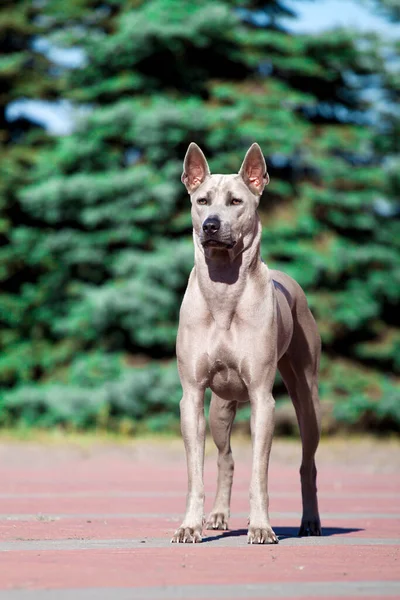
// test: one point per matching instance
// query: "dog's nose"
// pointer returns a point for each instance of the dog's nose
(211, 225)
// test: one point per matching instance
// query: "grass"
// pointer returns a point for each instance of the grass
(80, 438)
(101, 436)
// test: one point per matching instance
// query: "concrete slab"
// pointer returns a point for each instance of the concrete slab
(352, 589)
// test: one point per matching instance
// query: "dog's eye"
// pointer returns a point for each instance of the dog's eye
(202, 201)
(236, 201)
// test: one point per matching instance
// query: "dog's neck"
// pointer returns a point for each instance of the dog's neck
(223, 274)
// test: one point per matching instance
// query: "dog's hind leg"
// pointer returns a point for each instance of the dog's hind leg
(222, 415)
(299, 370)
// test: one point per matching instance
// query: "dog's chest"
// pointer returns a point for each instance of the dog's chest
(226, 373)
(228, 360)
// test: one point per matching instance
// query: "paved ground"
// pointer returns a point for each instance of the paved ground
(85, 522)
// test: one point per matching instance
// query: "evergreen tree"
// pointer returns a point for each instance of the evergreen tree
(24, 74)
(113, 220)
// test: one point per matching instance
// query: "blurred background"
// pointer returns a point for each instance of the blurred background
(98, 103)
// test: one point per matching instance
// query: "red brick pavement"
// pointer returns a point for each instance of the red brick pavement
(98, 519)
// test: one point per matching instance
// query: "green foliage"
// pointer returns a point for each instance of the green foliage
(364, 413)
(24, 74)
(361, 397)
(388, 8)
(98, 224)
(98, 392)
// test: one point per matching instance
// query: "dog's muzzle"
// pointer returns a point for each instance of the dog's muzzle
(211, 226)
(211, 236)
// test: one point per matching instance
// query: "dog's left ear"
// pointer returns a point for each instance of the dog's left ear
(254, 170)
(195, 168)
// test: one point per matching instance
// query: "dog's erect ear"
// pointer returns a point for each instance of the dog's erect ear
(195, 168)
(254, 170)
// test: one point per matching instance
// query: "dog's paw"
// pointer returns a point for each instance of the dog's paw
(261, 535)
(217, 520)
(187, 535)
(310, 527)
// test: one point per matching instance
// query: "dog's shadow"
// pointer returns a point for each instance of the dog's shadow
(282, 533)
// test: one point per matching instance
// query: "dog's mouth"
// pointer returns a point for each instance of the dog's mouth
(212, 243)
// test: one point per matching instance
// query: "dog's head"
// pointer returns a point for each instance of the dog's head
(224, 206)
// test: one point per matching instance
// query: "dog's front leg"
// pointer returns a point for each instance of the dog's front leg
(262, 428)
(193, 427)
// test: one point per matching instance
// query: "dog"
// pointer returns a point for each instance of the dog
(240, 321)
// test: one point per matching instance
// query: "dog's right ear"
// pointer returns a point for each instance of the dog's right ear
(195, 168)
